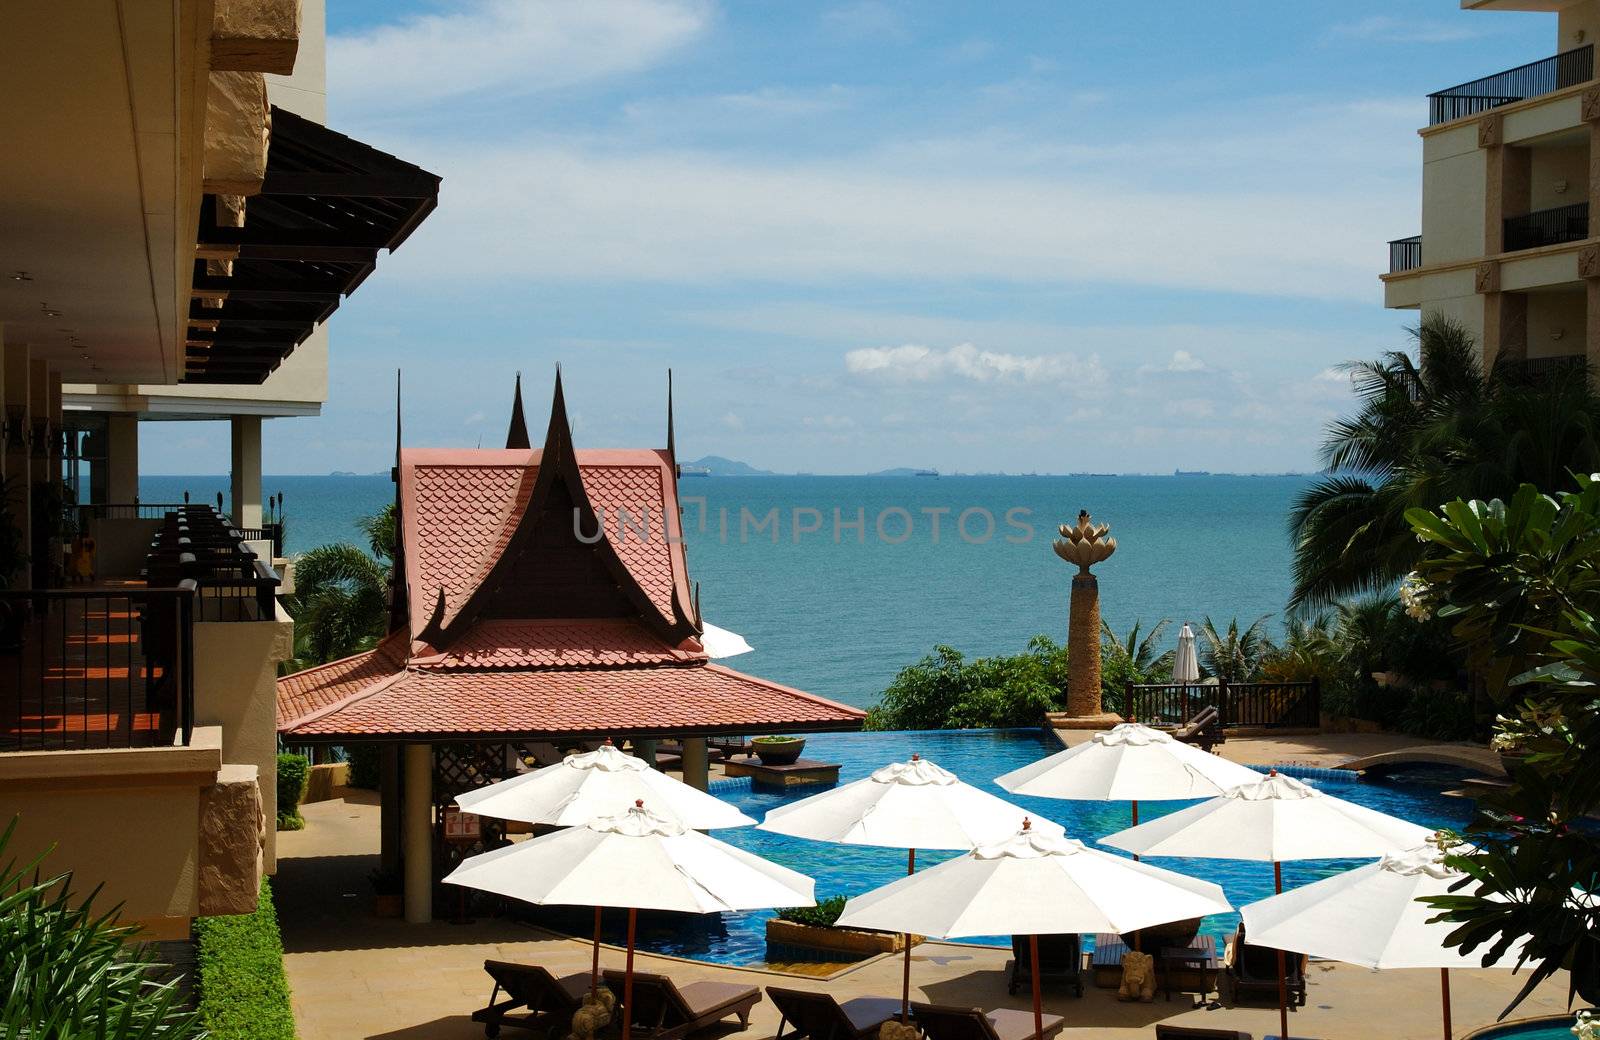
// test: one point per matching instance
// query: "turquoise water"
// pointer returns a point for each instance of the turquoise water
(1559, 1030)
(977, 756)
(841, 617)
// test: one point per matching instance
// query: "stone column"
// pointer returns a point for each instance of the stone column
(418, 833)
(122, 458)
(696, 763)
(18, 422)
(1085, 545)
(245, 475)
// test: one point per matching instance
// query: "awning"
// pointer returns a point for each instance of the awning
(328, 203)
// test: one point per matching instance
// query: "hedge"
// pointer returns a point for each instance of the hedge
(292, 773)
(243, 992)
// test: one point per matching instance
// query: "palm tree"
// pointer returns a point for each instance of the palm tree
(1141, 658)
(341, 597)
(1428, 430)
(1235, 656)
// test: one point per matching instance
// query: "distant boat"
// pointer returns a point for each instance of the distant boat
(1191, 473)
(927, 473)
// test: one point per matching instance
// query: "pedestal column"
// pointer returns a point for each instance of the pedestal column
(245, 477)
(1084, 544)
(418, 833)
(696, 763)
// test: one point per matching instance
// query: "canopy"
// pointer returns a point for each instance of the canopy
(1274, 819)
(581, 787)
(1131, 762)
(905, 805)
(1186, 665)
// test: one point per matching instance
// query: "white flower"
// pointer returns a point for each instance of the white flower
(1416, 596)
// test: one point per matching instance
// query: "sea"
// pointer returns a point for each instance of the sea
(839, 582)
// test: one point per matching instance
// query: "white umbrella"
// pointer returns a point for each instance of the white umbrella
(719, 642)
(581, 787)
(637, 860)
(1034, 883)
(1371, 916)
(1129, 763)
(905, 805)
(1275, 819)
(1186, 665)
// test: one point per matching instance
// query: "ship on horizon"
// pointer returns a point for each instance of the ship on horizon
(926, 473)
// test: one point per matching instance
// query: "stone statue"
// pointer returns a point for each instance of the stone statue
(594, 1016)
(1085, 544)
(894, 1029)
(1138, 977)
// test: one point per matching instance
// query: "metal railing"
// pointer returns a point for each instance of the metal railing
(1405, 254)
(1546, 227)
(96, 668)
(199, 544)
(1545, 76)
(135, 510)
(1266, 704)
(265, 533)
(1542, 371)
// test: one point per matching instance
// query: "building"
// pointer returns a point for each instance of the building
(1510, 176)
(178, 224)
(542, 598)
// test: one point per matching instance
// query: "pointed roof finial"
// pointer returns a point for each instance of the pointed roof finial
(517, 435)
(558, 414)
(672, 449)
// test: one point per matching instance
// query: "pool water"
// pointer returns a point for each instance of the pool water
(1540, 1029)
(977, 756)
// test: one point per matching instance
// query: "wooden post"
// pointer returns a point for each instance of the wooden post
(905, 974)
(1444, 992)
(1283, 969)
(1128, 704)
(594, 971)
(1038, 1002)
(627, 978)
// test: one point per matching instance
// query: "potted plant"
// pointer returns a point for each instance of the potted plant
(814, 928)
(388, 893)
(779, 750)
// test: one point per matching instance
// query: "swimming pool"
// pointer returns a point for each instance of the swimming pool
(977, 756)
(1557, 1028)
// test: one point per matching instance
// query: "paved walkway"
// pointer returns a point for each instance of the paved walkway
(355, 976)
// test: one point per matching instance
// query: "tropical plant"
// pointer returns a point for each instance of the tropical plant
(1142, 658)
(1519, 581)
(946, 691)
(1310, 650)
(74, 971)
(1428, 429)
(824, 915)
(1232, 655)
(292, 773)
(341, 600)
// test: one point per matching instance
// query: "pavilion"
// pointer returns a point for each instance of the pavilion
(540, 595)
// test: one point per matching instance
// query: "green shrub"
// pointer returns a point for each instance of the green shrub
(946, 691)
(243, 992)
(292, 773)
(70, 970)
(823, 915)
(364, 762)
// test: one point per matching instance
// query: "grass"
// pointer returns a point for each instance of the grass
(243, 992)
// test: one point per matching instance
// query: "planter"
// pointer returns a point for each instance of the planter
(389, 906)
(779, 752)
(850, 941)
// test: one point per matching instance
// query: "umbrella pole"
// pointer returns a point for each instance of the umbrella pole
(627, 979)
(1444, 991)
(905, 974)
(1138, 937)
(594, 972)
(1283, 970)
(1038, 1002)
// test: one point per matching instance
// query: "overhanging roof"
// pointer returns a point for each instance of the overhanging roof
(328, 203)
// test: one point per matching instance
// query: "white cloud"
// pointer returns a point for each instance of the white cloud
(733, 421)
(913, 363)
(474, 419)
(1383, 28)
(1183, 361)
(510, 47)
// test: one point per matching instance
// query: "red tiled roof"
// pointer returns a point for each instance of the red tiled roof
(462, 506)
(585, 643)
(317, 688)
(457, 704)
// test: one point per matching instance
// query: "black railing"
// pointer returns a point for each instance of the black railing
(96, 668)
(265, 533)
(1268, 704)
(1545, 76)
(135, 510)
(199, 544)
(1547, 227)
(1405, 254)
(1542, 371)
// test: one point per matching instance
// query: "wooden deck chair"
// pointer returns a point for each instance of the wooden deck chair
(534, 998)
(664, 1011)
(1253, 971)
(944, 1022)
(818, 1016)
(1165, 1032)
(1060, 960)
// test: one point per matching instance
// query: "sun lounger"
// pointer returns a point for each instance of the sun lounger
(1204, 730)
(534, 998)
(1253, 971)
(1060, 960)
(662, 1010)
(818, 1016)
(943, 1022)
(1164, 1032)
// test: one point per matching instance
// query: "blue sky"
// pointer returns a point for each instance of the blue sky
(1053, 236)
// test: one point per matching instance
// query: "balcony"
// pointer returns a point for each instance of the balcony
(1405, 254)
(1546, 76)
(1546, 227)
(1544, 371)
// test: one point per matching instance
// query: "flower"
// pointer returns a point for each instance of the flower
(1416, 596)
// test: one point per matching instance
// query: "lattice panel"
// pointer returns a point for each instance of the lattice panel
(458, 768)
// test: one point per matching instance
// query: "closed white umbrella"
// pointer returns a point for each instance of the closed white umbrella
(905, 805)
(1186, 664)
(581, 787)
(1275, 819)
(639, 860)
(1034, 883)
(719, 642)
(1371, 916)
